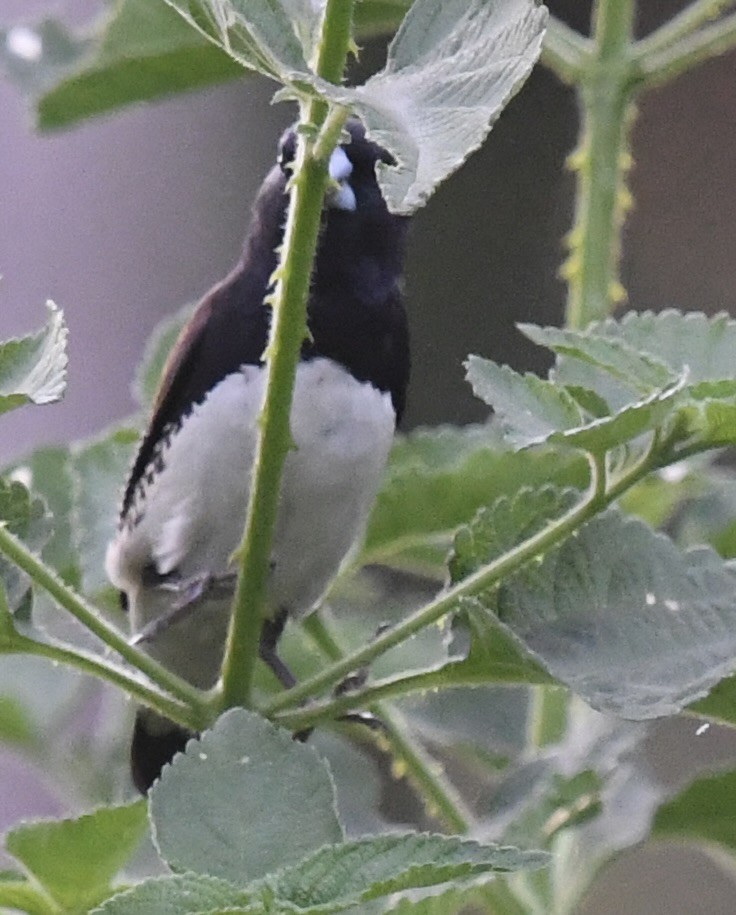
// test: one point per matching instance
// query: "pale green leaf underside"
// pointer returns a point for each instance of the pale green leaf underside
(451, 69)
(33, 368)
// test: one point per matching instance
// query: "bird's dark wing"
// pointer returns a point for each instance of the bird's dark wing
(228, 329)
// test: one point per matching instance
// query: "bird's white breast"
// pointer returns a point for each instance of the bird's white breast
(191, 516)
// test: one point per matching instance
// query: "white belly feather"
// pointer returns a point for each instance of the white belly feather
(193, 512)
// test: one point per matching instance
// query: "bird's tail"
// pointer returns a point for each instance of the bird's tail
(156, 741)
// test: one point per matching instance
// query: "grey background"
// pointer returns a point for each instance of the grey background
(123, 219)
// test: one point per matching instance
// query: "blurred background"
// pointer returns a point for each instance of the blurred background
(123, 219)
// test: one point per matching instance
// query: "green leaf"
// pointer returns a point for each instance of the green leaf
(704, 345)
(496, 654)
(334, 878)
(532, 411)
(139, 51)
(185, 894)
(457, 901)
(623, 618)
(529, 409)
(720, 703)
(47, 472)
(33, 368)
(258, 34)
(156, 353)
(99, 469)
(25, 516)
(437, 479)
(20, 895)
(508, 522)
(636, 369)
(705, 811)
(281, 790)
(76, 860)
(691, 345)
(451, 69)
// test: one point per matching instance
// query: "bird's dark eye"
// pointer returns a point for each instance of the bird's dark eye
(287, 150)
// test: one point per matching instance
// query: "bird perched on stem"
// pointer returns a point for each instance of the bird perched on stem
(185, 502)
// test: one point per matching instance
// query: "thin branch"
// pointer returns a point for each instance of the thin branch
(689, 20)
(440, 797)
(565, 51)
(658, 68)
(45, 578)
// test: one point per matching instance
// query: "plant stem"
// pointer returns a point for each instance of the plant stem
(440, 797)
(482, 580)
(699, 13)
(658, 68)
(601, 163)
(426, 774)
(565, 51)
(161, 702)
(46, 578)
(288, 331)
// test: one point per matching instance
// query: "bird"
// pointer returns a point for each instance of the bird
(185, 501)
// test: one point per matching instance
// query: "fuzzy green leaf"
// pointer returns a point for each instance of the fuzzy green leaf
(337, 877)
(33, 368)
(437, 479)
(27, 517)
(529, 409)
(75, 860)
(620, 616)
(637, 369)
(282, 792)
(182, 894)
(258, 34)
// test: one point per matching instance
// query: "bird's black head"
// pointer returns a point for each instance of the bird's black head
(353, 185)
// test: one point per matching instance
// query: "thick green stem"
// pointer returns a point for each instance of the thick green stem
(49, 581)
(288, 331)
(601, 163)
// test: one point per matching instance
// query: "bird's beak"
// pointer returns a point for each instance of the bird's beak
(340, 194)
